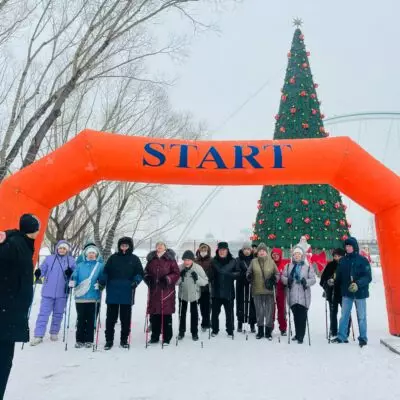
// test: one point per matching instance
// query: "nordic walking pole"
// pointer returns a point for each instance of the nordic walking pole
(131, 324)
(210, 314)
(65, 313)
(68, 318)
(146, 321)
(180, 316)
(162, 318)
(246, 312)
(275, 310)
(97, 321)
(308, 325)
(326, 319)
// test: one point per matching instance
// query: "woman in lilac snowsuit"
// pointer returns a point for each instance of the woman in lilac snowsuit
(56, 271)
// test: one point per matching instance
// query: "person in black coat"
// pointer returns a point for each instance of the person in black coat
(332, 291)
(122, 274)
(245, 309)
(16, 290)
(225, 270)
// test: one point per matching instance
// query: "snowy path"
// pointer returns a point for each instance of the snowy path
(223, 369)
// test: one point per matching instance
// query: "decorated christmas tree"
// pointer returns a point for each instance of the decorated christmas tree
(287, 212)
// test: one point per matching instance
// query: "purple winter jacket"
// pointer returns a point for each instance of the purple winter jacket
(53, 274)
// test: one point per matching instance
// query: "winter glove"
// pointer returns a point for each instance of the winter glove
(164, 281)
(71, 284)
(38, 273)
(97, 286)
(290, 282)
(68, 272)
(183, 274)
(3, 237)
(194, 276)
(148, 280)
(134, 285)
(304, 283)
(353, 288)
(270, 283)
(331, 282)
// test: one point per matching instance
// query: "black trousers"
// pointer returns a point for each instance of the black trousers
(245, 308)
(86, 323)
(204, 303)
(156, 327)
(216, 310)
(333, 314)
(124, 311)
(300, 320)
(6, 359)
(194, 317)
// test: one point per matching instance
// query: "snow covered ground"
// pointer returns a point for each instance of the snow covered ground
(222, 369)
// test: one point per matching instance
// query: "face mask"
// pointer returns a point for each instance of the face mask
(203, 254)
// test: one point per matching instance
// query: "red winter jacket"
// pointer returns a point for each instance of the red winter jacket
(157, 268)
(281, 265)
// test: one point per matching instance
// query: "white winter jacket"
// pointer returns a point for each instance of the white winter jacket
(189, 290)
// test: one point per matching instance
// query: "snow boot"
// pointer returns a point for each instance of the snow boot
(124, 344)
(337, 340)
(108, 345)
(230, 335)
(213, 334)
(260, 333)
(195, 337)
(240, 327)
(252, 328)
(294, 338)
(362, 343)
(54, 338)
(283, 333)
(36, 340)
(204, 329)
(268, 334)
(166, 343)
(88, 345)
(181, 335)
(79, 345)
(299, 341)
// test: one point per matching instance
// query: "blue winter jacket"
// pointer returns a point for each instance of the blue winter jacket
(354, 268)
(82, 272)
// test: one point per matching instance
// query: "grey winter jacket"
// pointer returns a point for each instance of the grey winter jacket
(189, 290)
(297, 294)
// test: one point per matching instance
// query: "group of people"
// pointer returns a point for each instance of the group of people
(259, 282)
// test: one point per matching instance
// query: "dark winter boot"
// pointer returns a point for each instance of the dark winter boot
(362, 343)
(181, 335)
(283, 333)
(124, 344)
(268, 334)
(213, 334)
(260, 333)
(294, 338)
(240, 327)
(252, 328)
(108, 345)
(195, 337)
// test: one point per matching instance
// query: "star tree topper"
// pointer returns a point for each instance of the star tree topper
(297, 22)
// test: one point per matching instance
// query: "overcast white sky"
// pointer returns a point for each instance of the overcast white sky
(354, 59)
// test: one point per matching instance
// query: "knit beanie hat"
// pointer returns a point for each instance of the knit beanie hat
(188, 255)
(223, 245)
(91, 249)
(28, 224)
(246, 245)
(338, 252)
(298, 249)
(262, 246)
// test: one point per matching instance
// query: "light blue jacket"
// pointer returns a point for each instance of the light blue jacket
(82, 272)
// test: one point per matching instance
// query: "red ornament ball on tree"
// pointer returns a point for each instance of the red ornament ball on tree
(261, 221)
(289, 220)
(289, 54)
(277, 116)
(292, 80)
(307, 220)
(344, 237)
(313, 95)
(308, 54)
(284, 97)
(322, 129)
(322, 202)
(303, 93)
(316, 85)
(307, 236)
(301, 37)
(277, 204)
(322, 116)
(282, 129)
(327, 222)
(305, 125)
(271, 236)
(344, 207)
(305, 202)
(304, 65)
(293, 110)
(337, 205)
(314, 111)
(342, 222)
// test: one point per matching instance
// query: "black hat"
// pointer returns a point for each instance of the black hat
(188, 255)
(28, 224)
(338, 252)
(223, 245)
(254, 246)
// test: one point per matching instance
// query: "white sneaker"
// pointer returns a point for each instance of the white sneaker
(54, 338)
(35, 341)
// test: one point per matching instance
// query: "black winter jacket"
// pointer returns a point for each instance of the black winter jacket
(243, 264)
(16, 286)
(332, 292)
(224, 272)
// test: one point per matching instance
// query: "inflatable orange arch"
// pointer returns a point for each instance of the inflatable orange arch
(93, 156)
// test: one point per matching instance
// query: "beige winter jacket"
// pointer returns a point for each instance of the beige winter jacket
(189, 290)
(257, 278)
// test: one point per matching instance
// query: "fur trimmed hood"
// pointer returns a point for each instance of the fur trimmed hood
(168, 255)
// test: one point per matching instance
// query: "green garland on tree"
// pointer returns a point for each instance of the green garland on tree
(287, 212)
